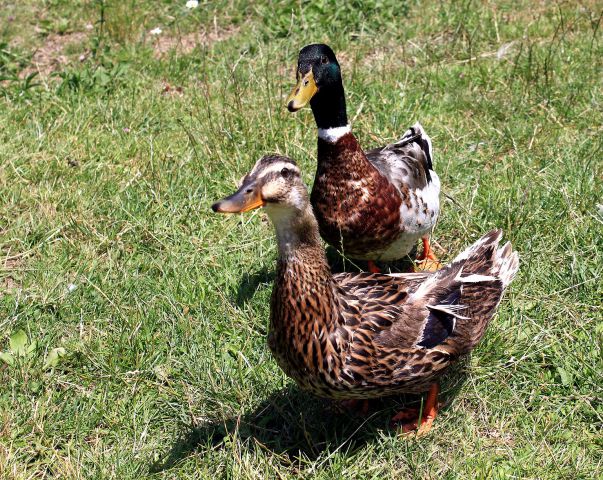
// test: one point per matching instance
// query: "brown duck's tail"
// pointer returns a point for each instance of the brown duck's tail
(464, 295)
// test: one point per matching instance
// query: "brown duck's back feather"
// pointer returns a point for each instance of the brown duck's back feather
(463, 296)
(368, 335)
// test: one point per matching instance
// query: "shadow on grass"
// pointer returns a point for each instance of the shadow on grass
(339, 263)
(250, 282)
(292, 423)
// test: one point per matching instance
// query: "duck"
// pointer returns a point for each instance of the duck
(363, 335)
(371, 205)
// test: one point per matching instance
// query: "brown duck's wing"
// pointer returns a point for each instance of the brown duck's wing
(448, 310)
(406, 162)
(402, 332)
(458, 302)
(370, 304)
(364, 282)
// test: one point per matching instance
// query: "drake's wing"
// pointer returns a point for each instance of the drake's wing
(407, 162)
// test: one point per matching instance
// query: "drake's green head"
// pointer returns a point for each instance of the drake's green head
(317, 71)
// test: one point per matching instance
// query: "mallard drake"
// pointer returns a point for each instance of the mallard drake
(366, 335)
(371, 205)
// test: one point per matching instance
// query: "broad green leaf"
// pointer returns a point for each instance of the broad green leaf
(566, 377)
(53, 357)
(7, 358)
(18, 342)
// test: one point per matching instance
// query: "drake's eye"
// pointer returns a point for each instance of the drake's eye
(285, 172)
(324, 59)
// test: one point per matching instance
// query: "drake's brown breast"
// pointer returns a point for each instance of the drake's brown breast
(357, 208)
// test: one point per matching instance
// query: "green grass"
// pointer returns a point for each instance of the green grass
(106, 183)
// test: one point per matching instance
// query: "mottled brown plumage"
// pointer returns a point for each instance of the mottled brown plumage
(357, 208)
(365, 335)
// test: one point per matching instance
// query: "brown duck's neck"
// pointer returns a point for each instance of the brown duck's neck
(302, 263)
(306, 272)
(297, 235)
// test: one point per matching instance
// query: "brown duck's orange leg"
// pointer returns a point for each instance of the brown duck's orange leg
(427, 260)
(358, 406)
(372, 267)
(409, 417)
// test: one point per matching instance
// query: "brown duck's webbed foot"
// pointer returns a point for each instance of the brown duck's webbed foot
(409, 419)
(356, 406)
(427, 261)
(372, 267)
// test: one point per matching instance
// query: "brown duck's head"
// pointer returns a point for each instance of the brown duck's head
(317, 71)
(274, 182)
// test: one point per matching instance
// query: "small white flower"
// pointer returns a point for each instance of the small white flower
(156, 31)
(71, 287)
(503, 50)
(192, 4)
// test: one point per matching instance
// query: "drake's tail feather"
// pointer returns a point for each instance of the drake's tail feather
(417, 134)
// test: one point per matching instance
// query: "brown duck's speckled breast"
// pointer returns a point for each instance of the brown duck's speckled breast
(357, 208)
(303, 323)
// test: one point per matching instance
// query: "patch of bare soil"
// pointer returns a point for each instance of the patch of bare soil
(51, 55)
(184, 44)
(8, 282)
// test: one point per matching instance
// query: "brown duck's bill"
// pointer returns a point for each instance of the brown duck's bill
(245, 199)
(302, 93)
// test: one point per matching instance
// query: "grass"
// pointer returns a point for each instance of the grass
(109, 251)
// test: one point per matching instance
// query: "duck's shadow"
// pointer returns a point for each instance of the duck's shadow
(292, 423)
(250, 282)
(339, 263)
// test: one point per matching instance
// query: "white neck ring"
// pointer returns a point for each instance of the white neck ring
(332, 135)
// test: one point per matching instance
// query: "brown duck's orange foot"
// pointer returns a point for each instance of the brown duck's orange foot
(372, 267)
(356, 406)
(427, 261)
(408, 419)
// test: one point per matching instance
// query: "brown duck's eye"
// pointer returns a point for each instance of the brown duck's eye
(285, 172)
(324, 59)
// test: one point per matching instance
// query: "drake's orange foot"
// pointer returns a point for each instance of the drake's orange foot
(409, 421)
(427, 261)
(372, 267)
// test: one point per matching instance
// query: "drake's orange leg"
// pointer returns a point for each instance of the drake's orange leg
(427, 260)
(409, 417)
(372, 267)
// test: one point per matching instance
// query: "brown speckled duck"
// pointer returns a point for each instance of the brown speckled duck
(371, 205)
(366, 335)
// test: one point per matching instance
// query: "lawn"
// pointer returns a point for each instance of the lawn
(133, 320)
